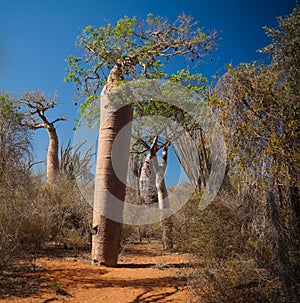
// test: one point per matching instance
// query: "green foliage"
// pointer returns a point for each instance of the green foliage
(249, 252)
(8, 111)
(195, 82)
(141, 47)
(11, 129)
(58, 288)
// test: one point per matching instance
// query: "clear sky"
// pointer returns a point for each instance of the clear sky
(37, 36)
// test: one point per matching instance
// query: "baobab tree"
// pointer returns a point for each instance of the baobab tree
(153, 188)
(36, 105)
(129, 50)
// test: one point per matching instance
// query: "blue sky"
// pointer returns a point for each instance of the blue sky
(37, 36)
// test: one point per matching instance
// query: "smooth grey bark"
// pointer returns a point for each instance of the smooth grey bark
(52, 155)
(163, 200)
(148, 190)
(153, 188)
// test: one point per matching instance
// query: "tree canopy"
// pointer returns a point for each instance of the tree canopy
(142, 48)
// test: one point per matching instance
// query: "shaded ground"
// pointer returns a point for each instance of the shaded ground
(145, 274)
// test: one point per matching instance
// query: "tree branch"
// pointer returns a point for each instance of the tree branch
(58, 119)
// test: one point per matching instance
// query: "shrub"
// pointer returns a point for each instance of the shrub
(233, 267)
(32, 215)
(71, 215)
(24, 222)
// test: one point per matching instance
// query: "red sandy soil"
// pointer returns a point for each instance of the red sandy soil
(145, 274)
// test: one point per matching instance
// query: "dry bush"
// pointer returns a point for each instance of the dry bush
(212, 233)
(25, 224)
(71, 215)
(233, 268)
(32, 215)
(239, 281)
(141, 233)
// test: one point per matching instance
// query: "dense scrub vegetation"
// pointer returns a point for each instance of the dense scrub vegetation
(33, 213)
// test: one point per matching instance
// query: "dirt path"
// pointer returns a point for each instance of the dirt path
(145, 274)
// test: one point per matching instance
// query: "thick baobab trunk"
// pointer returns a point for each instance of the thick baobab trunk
(111, 172)
(52, 156)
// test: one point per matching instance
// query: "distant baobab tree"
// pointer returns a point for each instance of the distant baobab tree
(35, 105)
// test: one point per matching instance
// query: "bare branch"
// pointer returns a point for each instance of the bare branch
(58, 119)
(154, 143)
(144, 143)
(36, 126)
(37, 105)
(134, 151)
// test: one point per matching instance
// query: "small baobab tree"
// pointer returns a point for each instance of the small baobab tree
(153, 188)
(35, 105)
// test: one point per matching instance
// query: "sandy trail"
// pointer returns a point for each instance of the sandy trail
(145, 274)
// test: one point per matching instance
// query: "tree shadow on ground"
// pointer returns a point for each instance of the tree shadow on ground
(35, 283)
(22, 280)
(32, 279)
(94, 277)
(145, 297)
(155, 265)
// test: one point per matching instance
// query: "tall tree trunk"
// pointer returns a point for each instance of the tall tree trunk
(109, 189)
(52, 156)
(163, 200)
(153, 188)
